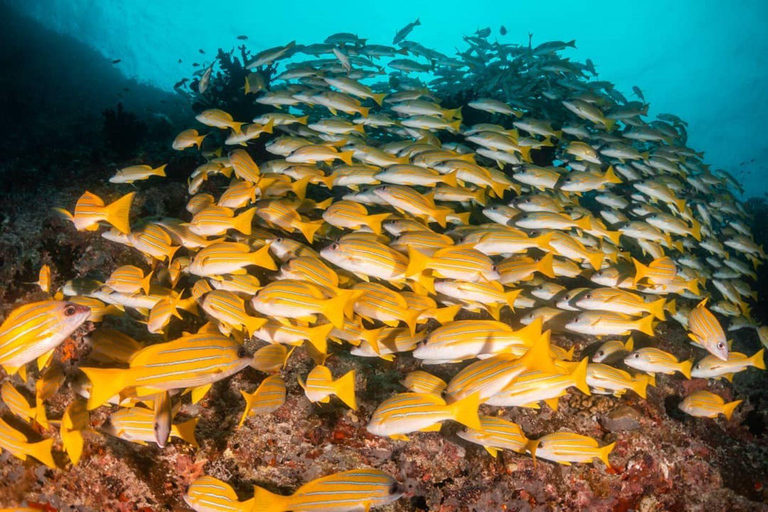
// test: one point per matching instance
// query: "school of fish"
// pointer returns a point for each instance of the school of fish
(384, 222)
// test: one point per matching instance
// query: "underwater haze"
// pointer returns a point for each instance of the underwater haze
(698, 59)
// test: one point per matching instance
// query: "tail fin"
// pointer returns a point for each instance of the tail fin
(584, 223)
(378, 98)
(333, 309)
(199, 140)
(73, 444)
(309, 228)
(629, 345)
(345, 389)
(186, 431)
(118, 213)
(543, 241)
(236, 126)
(145, 282)
(641, 271)
(604, 451)
(656, 308)
(42, 452)
(160, 171)
(596, 259)
(450, 179)
(693, 286)
(465, 411)
(445, 315)
(610, 124)
(611, 177)
(645, 325)
(105, 383)
(265, 501)
(671, 307)
(640, 385)
(696, 230)
(411, 318)
(480, 197)
(455, 125)
(269, 127)
(729, 408)
(318, 337)
(545, 265)
(511, 297)
(685, 368)
(498, 189)
(299, 187)
(253, 323)
(757, 360)
(417, 262)
(261, 258)
(374, 222)
(242, 222)
(580, 377)
(441, 215)
(364, 111)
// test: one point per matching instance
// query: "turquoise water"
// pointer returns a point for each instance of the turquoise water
(699, 59)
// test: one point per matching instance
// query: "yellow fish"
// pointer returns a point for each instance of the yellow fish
(705, 404)
(90, 210)
(497, 434)
(34, 330)
(137, 425)
(567, 447)
(229, 258)
(268, 397)
(605, 379)
(74, 422)
(129, 279)
(320, 385)
(422, 382)
(706, 331)
(13, 441)
(652, 360)
(137, 173)
(208, 494)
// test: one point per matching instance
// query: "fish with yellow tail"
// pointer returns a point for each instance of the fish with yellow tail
(411, 412)
(604, 379)
(320, 385)
(349, 491)
(218, 119)
(706, 331)
(422, 382)
(302, 301)
(208, 494)
(566, 448)
(351, 215)
(653, 360)
(659, 271)
(187, 139)
(34, 330)
(229, 258)
(14, 442)
(129, 279)
(621, 301)
(367, 258)
(137, 173)
(90, 209)
(712, 367)
(18, 405)
(229, 309)
(705, 404)
(497, 434)
(454, 262)
(137, 425)
(607, 323)
(73, 424)
(192, 361)
(268, 397)
(612, 349)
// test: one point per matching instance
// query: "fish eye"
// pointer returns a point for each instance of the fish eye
(70, 310)
(588, 296)
(493, 268)
(637, 356)
(241, 352)
(279, 239)
(334, 246)
(698, 366)
(576, 320)
(599, 353)
(721, 345)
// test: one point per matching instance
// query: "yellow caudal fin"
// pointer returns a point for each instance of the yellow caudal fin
(318, 337)
(269, 127)
(584, 223)
(480, 197)
(671, 307)
(42, 452)
(465, 411)
(333, 309)
(105, 383)
(696, 230)
(685, 368)
(118, 213)
(611, 177)
(145, 283)
(160, 171)
(596, 259)
(498, 188)
(531, 447)
(580, 377)
(543, 241)
(374, 222)
(73, 444)
(253, 323)
(545, 265)
(511, 297)
(531, 332)
(236, 126)
(411, 320)
(261, 258)
(299, 187)
(640, 385)
(445, 315)
(378, 98)
(364, 111)
(199, 140)
(610, 124)
(441, 215)
(604, 452)
(539, 356)
(265, 501)
(450, 179)
(345, 389)
(242, 222)
(656, 308)
(186, 431)
(629, 345)
(455, 125)
(417, 262)
(309, 228)
(757, 360)
(645, 325)
(729, 408)
(302, 119)
(641, 271)
(525, 152)
(693, 286)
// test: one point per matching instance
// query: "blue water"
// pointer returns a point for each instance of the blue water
(699, 59)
